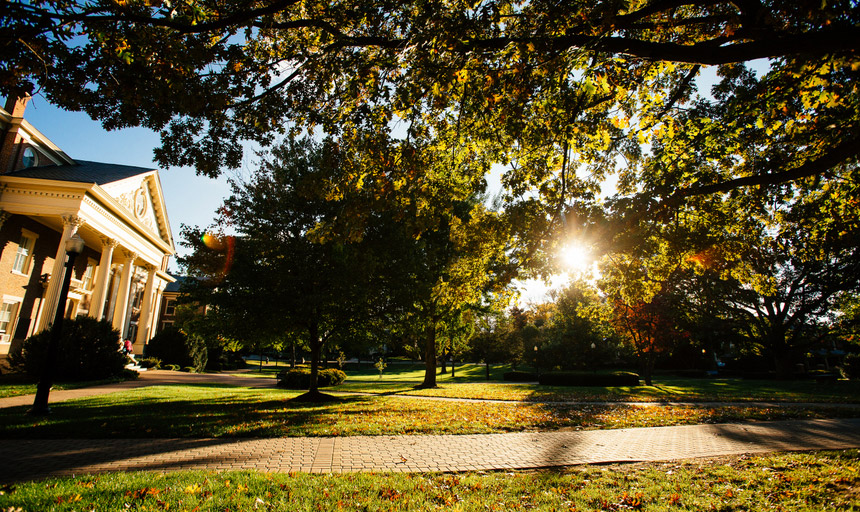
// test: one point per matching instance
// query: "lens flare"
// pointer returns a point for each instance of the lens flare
(212, 241)
(224, 244)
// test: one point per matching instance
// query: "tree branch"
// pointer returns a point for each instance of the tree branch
(838, 154)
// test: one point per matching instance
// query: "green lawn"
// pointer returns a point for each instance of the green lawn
(470, 383)
(16, 385)
(225, 411)
(795, 482)
(666, 389)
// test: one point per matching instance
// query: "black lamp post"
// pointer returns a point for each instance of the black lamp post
(74, 246)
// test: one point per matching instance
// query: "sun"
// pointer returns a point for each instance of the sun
(575, 258)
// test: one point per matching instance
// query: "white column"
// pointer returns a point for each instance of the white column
(71, 223)
(145, 311)
(121, 308)
(97, 301)
(156, 309)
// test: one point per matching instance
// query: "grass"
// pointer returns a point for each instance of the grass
(17, 385)
(795, 482)
(667, 389)
(225, 411)
(470, 382)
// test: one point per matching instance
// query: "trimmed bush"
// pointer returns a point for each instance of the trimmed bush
(88, 349)
(173, 347)
(517, 376)
(153, 363)
(300, 378)
(589, 379)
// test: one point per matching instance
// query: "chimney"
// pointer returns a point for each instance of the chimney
(15, 105)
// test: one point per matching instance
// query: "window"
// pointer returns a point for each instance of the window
(170, 307)
(7, 320)
(30, 158)
(25, 253)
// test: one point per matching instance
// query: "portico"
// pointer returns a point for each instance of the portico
(45, 199)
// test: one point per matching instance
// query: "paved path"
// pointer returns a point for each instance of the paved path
(34, 459)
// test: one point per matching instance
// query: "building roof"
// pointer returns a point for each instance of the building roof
(174, 286)
(83, 172)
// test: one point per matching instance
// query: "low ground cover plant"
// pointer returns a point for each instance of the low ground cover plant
(791, 482)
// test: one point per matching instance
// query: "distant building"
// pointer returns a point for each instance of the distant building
(169, 301)
(46, 197)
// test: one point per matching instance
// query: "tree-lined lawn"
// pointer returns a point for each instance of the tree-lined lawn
(470, 382)
(225, 411)
(782, 482)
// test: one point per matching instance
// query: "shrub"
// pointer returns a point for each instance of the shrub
(301, 378)
(88, 349)
(517, 376)
(589, 379)
(189, 369)
(173, 347)
(149, 363)
(172, 367)
(222, 358)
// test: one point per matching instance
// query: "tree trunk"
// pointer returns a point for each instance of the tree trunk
(487, 364)
(430, 357)
(293, 362)
(315, 357)
(453, 364)
(260, 355)
(648, 368)
(444, 368)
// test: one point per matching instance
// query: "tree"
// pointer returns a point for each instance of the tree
(456, 332)
(459, 262)
(556, 90)
(648, 329)
(280, 276)
(770, 270)
(578, 333)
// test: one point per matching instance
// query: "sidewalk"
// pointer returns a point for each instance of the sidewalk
(35, 459)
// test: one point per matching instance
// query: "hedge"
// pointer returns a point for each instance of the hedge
(589, 379)
(517, 376)
(301, 378)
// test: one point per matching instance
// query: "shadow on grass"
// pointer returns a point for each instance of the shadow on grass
(208, 410)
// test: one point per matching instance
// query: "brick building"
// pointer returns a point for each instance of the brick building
(46, 197)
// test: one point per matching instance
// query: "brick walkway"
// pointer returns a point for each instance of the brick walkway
(34, 459)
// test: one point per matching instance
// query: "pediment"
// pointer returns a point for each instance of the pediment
(141, 197)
